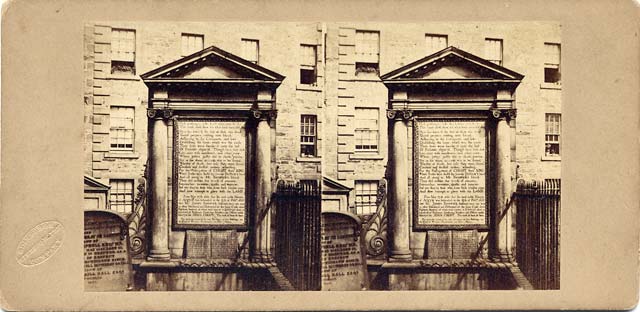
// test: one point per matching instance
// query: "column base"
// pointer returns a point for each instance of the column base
(502, 258)
(159, 255)
(401, 256)
(262, 258)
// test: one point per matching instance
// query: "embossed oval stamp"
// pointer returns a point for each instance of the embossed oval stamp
(40, 243)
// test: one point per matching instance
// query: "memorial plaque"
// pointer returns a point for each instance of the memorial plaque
(210, 174)
(107, 264)
(224, 244)
(198, 244)
(451, 174)
(343, 260)
(439, 244)
(211, 244)
(465, 244)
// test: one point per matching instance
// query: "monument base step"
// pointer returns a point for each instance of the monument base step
(281, 280)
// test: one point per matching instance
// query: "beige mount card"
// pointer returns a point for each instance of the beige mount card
(252, 155)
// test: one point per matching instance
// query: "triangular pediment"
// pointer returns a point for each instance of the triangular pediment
(332, 186)
(451, 64)
(212, 64)
(92, 184)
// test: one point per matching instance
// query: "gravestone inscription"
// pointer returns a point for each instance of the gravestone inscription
(107, 263)
(210, 173)
(451, 174)
(465, 244)
(211, 244)
(343, 259)
(439, 244)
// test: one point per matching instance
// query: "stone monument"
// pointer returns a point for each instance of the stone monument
(343, 258)
(107, 263)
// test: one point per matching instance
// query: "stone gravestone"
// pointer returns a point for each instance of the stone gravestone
(344, 264)
(107, 263)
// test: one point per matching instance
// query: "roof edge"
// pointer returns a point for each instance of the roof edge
(335, 184)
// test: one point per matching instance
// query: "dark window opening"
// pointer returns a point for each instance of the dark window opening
(307, 76)
(551, 75)
(123, 68)
(367, 69)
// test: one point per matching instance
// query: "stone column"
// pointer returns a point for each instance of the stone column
(399, 186)
(159, 207)
(502, 187)
(262, 218)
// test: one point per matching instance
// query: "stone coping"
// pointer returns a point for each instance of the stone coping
(444, 263)
(206, 263)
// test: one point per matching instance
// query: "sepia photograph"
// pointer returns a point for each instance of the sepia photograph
(322, 156)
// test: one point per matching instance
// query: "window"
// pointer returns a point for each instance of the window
(493, 50)
(250, 50)
(552, 135)
(366, 195)
(552, 63)
(121, 133)
(121, 196)
(308, 63)
(367, 55)
(435, 43)
(308, 125)
(366, 131)
(192, 43)
(123, 51)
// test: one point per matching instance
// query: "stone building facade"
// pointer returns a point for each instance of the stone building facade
(332, 106)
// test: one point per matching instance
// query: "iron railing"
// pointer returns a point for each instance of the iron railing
(538, 232)
(297, 250)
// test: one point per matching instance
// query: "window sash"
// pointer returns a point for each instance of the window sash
(552, 55)
(493, 50)
(308, 56)
(366, 196)
(552, 124)
(250, 50)
(308, 134)
(122, 131)
(121, 196)
(436, 43)
(552, 133)
(123, 45)
(192, 43)
(367, 131)
(367, 48)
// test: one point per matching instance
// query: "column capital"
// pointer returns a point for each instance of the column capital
(155, 113)
(397, 114)
(264, 114)
(498, 114)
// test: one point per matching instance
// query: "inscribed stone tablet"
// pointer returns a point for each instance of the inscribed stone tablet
(439, 244)
(224, 244)
(451, 174)
(107, 264)
(198, 244)
(465, 244)
(343, 260)
(211, 168)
